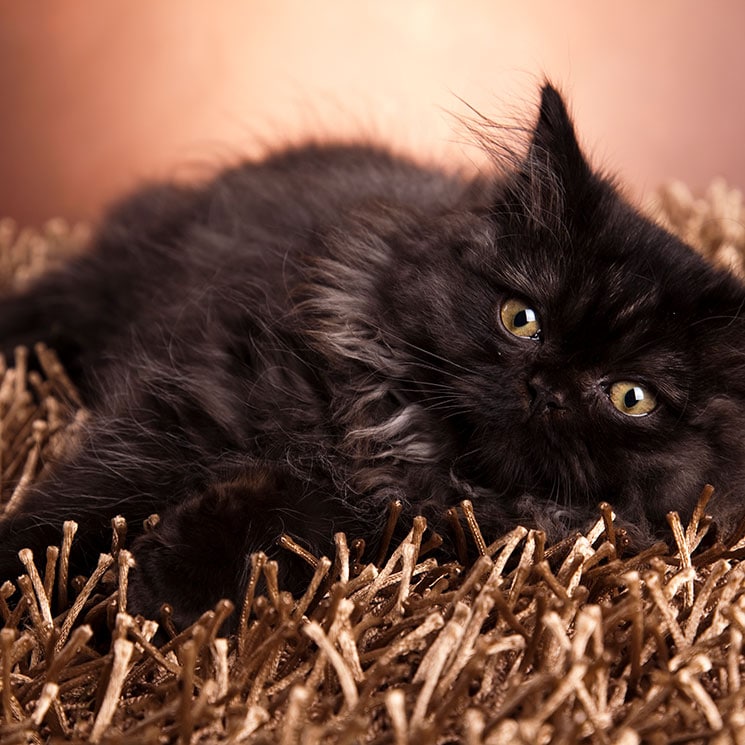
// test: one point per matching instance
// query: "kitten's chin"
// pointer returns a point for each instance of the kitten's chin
(554, 519)
(551, 430)
(558, 521)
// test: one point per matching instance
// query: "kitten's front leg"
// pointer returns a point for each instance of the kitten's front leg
(200, 551)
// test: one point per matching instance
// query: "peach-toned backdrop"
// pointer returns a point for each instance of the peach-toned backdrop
(95, 96)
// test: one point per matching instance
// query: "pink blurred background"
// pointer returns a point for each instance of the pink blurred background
(97, 96)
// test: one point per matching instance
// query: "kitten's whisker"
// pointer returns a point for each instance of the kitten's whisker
(423, 387)
(429, 353)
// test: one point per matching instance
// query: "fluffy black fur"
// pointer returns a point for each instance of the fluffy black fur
(309, 336)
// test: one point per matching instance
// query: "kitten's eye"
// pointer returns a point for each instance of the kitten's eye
(520, 319)
(632, 399)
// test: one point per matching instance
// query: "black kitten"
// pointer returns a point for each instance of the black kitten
(307, 337)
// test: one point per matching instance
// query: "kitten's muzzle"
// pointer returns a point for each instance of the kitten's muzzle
(546, 398)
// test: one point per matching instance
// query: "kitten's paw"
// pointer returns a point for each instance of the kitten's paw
(167, 572)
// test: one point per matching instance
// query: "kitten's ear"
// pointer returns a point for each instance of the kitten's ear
(554, 143)
(553, 178)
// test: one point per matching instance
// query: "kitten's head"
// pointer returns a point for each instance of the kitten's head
(573, 351)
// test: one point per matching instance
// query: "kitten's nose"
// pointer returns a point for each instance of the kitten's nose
(545, 397)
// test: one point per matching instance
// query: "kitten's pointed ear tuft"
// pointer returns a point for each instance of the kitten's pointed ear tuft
(554, 184)
(554, 142)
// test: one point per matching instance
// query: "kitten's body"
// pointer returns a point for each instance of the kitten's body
(308, 337)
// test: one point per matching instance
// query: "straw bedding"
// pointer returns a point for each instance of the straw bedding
(576, 642)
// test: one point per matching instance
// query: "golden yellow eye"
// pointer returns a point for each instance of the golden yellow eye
(520, 319)
(632, 399)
